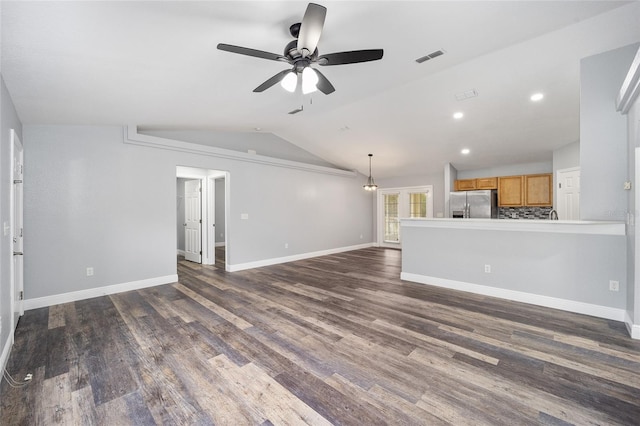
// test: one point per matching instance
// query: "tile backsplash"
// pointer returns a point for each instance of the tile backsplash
(541, 213)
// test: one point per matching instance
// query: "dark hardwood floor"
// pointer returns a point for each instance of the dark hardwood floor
(338, 339)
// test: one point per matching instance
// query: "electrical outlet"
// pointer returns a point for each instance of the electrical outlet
(614, 285)
(487, 269)
(361, 236)
(286, 245)
(89, 272)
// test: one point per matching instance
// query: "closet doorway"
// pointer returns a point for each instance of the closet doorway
(201, 208)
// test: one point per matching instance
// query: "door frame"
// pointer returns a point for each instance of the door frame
(16, 305)
(207, 240)
(380, 209)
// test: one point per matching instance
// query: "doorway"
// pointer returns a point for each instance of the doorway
(394, 204)
(202, 205)
(16, 212)
(568, 194)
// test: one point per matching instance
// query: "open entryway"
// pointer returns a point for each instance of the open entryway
(201, 206)
(394, 204)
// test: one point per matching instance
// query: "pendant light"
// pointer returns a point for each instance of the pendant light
(371, 185)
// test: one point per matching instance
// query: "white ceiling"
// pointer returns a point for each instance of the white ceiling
(155, 64)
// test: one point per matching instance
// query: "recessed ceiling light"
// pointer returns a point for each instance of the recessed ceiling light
(458, 115)
(257, 129)
(537, 97)
(465, 151)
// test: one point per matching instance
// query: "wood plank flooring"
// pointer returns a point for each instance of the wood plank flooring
(338, 339)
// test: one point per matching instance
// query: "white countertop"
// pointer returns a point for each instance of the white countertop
(521, 225)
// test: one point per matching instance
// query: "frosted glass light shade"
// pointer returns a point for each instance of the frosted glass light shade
(309, 80)
(289, 82)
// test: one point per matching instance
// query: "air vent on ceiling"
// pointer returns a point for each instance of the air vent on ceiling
(472, 93)
(430, 56)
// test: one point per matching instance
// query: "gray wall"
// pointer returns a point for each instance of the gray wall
(633, 291)
(219, 211)
(436, 179)
(8, 120)
(565, 157)
(566, 266)
(603, 135)
(180, 212)
(113, 205)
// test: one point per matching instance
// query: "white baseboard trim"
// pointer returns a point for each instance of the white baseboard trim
(633, 329)
(6, 350)
(520, 296)
(180, 252)
(222, 244)
(277, 260)
(57, 299)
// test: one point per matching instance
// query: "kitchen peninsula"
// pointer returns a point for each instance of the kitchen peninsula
(569, 265)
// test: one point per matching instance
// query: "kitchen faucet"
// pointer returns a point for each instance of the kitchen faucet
(553, 214)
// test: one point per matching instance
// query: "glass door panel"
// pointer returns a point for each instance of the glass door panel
(417, 204)
(391, 218)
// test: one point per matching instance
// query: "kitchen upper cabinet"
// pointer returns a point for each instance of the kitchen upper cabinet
(538, 190)
(511, 191)
(487, 183)
(465, 185)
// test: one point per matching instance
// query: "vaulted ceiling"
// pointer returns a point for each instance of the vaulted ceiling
(155, 64)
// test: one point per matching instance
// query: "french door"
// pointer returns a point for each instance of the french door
(397, 203)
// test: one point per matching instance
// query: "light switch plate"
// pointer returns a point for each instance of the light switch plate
(7, 227)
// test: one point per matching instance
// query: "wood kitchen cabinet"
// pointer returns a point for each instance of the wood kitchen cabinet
(511, 191)
(487, 183)
(538, 190)
(465, 184)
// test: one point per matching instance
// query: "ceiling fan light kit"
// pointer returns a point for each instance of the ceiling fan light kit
(309, 80)
(302, 53)
(290, 81)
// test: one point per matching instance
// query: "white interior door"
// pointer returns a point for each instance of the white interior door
(568, 194)
(193, 221)
(17, 230)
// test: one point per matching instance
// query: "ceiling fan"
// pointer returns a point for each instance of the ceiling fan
(302, 53)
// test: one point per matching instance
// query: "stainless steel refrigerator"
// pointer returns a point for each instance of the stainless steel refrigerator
(474, 204)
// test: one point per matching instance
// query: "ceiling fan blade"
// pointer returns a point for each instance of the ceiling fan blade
(324, 85)
(251, 52)
(311, 29)
(273, 80)
(352, 57)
